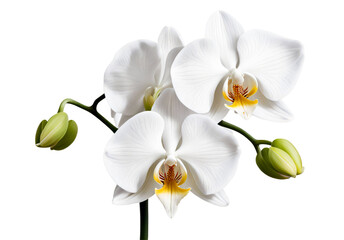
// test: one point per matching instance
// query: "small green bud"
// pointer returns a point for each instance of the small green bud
(54, 130)
(57, 133)
(282, 162)
(290, 149)
(68, 138)
(265, 165)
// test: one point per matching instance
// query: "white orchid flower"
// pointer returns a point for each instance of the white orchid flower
(140, 70)
(249, 72)
(159, 152)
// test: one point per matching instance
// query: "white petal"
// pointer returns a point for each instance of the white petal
(218, 110)
(271, 110)
(173, 112)
(250, 82)
(275, 61)
(225, 31)
(196, 72)
(211, 153)
(129, 74)
(168, 40)
(220, 198)
(122, 197)
(133, 149)
(166, 81)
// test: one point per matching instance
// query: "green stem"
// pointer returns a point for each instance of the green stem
(144, 220)
(263, 142)
(254, 141)
(93, 110)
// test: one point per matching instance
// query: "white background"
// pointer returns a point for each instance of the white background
(50, 50)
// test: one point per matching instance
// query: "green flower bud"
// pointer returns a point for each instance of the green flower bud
(290, 149)
(282, 162)
(54, 130)
(266, 167)
(68, 138)
(56, 133)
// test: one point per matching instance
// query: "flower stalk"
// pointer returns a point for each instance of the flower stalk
(93, 110)
(254, 141)
(144, 220)
(144, 205)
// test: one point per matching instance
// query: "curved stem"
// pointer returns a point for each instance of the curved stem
(254, 141)
(239, 130)
(93, 110)
(263, 142)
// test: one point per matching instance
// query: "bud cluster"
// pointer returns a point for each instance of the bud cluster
(57, 133)
(280, 161)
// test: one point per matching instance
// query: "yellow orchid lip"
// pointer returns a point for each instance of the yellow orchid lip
(237, 92)
(171, 176)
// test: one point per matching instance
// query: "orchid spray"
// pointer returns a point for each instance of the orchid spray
(168, 103)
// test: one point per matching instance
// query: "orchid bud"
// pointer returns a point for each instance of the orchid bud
(68, 138)
(56, 133)
(289, 148)
(281, 161)
(266, 167)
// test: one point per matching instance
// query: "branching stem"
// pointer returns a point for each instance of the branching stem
(93, 110)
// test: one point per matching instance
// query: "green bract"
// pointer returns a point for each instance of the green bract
(39, 131)
(56, 133)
